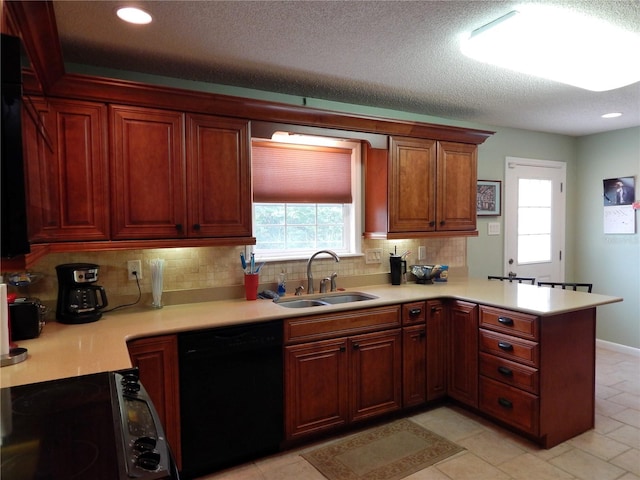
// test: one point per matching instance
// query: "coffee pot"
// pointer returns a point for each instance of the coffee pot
(79, 299)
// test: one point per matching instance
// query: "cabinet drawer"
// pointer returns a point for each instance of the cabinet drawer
(509, 372)
(512, 348)
(414, 313)
(510, 405)
(507, 321)
(318, 327)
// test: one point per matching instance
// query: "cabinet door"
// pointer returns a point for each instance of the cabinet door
(456, 190)
(149, 179)
(67, 180)
(463, 352)
(375, 374)
(436, 349)
(43, 194)
(414, 362)
(157, 361)
(412, 180)
(315, 387)
(219, 172)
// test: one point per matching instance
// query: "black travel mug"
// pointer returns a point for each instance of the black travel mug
(398, 269)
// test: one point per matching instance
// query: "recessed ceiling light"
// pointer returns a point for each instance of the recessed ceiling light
(134, 15)
(612, 115)
(558, 45)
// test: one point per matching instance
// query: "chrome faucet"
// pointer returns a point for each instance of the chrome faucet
(309, 275)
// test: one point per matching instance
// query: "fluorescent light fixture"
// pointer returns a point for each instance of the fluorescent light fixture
(134, 15)
(558, 45)
(612, 115)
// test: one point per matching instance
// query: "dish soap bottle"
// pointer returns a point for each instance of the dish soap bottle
(282, 283)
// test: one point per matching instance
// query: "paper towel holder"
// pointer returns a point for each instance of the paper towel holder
(15, 355)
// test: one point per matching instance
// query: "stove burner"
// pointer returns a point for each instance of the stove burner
(56, 398)
(85, 456)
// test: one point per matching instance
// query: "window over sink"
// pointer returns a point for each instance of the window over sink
(306, 196)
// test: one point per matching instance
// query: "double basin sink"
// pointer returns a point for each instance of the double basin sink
(329, 299)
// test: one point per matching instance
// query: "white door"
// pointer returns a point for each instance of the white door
(534, 218)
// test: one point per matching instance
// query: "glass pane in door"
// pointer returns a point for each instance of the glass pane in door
(534, 220)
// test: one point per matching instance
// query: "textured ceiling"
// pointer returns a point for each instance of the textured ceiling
(402, 55)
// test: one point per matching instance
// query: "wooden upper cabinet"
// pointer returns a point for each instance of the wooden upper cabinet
(456, 190)
(148, 172)
(219, 173)
(179, 176)
(67, 175)
(412, 188)
(430, 189)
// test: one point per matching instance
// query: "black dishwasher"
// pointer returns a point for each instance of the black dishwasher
(231, 395)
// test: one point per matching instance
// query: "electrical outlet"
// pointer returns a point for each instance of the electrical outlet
(373, 255)
(134, 266)
(422, 252)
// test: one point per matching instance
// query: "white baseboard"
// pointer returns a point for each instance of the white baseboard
(616, 347)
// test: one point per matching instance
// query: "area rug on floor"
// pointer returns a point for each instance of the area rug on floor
(389, 452)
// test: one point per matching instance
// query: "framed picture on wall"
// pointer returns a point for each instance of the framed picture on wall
(489, 198)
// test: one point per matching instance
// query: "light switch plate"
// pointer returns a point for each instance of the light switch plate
(493, 228)
(373, 255)
(422, 252)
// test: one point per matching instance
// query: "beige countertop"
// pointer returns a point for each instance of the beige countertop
(70, 350)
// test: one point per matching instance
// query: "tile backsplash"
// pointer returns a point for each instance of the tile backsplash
(216, 267)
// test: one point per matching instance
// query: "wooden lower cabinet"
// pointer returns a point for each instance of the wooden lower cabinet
(510, 405)
(463, 352)
(316, 383)
(533, 374)
(157, 362)
(414, 365)
(537, 374)
(437, 342)
(332, 382)
(375, 368)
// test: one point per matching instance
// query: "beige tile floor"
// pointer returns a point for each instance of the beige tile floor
(611, 451)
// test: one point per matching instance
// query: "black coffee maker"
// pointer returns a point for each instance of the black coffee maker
(79, 300)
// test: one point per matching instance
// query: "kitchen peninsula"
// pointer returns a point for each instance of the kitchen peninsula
(522, 355)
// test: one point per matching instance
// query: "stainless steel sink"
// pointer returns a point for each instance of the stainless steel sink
(332, 299)
(300, 303)
(347, 298)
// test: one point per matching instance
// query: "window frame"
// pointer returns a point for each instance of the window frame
(353, 215)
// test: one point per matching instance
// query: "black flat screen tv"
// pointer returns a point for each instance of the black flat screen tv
(13, 236)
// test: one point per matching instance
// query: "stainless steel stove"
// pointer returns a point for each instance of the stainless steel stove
(93, 427)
